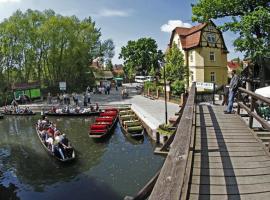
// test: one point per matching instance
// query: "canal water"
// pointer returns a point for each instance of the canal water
(102, 171)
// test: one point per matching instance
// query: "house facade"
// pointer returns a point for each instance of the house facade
(205, 52)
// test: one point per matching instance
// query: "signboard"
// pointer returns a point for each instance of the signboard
(63, 86)
(205, 85)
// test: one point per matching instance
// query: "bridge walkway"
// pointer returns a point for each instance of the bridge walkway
(229, 161)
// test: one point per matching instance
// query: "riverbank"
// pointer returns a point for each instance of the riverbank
(151, 112)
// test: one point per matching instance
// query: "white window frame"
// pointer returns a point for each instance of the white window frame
(211, 37)
(191, 57)
(212, 76)
(212, 55)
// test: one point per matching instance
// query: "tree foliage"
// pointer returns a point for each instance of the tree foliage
(141, 56)
(249, 18)
(174, 67)
(47, 47)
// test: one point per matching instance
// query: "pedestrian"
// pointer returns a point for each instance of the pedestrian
(234, 84)
(225, 95)
(84, 100)
(49, 98)
(88, 97)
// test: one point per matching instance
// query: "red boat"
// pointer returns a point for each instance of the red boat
(104, 123)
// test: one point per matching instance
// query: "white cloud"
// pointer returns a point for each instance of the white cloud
(10, 1)
(172, 24)
(113, 13)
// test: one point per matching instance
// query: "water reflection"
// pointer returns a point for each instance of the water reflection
(106, 170)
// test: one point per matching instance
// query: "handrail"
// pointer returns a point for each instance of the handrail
(250, 110)
(173, 179)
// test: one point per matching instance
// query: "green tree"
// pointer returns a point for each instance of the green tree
(140, 56)
(249, 18)
(48, 47)
(175, 69)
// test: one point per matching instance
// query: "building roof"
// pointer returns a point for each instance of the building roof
(233, 65)
(24, 86)
(190, 37)
(105, 75)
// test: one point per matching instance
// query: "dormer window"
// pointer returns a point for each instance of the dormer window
(211, 37)
(210, 28)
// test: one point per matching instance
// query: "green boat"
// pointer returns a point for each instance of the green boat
(130, 124)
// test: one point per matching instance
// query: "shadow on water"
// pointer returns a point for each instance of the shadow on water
(9, 192)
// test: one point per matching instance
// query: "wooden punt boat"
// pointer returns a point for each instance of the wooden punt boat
(71, 155)
(72, 114)
(19, 114)
(130, 124)
(104, 124)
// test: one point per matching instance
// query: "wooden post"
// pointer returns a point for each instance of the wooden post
(148, 92)
(251, 110)
(238, 100)
(157, 93)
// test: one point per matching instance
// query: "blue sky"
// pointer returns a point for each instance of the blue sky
(122, 20)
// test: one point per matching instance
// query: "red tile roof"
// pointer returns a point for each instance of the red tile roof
(190, 37)
(233, 65)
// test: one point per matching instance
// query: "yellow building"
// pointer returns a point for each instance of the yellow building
(205, 52)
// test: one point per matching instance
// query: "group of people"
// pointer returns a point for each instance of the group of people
(17, 110)
(55, 141)
(74, 110)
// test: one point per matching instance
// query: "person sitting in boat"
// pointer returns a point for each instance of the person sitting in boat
(53, 110)
(64, 142)
(91, 108)
(44, 135)
(49, 143)
(58, 147)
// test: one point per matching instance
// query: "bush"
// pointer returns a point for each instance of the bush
(178, 87)
(150, 85)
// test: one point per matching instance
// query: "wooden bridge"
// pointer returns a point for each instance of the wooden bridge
(213, 155)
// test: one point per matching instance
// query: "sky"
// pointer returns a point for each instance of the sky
(123, 20)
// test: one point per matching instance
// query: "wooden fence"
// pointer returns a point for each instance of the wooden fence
(172, 183)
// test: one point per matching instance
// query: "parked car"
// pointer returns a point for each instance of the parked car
(140, 79)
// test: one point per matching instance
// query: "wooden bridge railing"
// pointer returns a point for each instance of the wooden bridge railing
(251, 107)
(172, 183)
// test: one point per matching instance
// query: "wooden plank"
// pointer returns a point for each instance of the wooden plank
(218, 180)
(235, 165)
(230, 189)
(213, 136)
(229, 149)
(199, 158)
(257, 196)
(229, 154)
(231, 172)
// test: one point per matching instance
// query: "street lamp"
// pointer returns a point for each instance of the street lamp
(162, 64)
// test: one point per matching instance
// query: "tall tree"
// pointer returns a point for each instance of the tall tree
(49, 48)
(174, 67)
(141, 56)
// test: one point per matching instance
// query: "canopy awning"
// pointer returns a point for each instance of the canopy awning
(264, 91)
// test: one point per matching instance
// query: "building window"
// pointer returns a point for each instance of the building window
(211, 37)
(210, 28)
(191, 56)
(192, 76)
(212, 56)
(212, 76)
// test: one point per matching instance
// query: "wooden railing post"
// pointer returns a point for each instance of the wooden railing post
(238, 100)
(251, 110)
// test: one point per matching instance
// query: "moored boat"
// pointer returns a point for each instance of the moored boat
(130, 124)
(104, 124)
(72, 114)
(19, 114)
(59, 153)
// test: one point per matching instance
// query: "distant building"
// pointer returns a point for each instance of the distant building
(232, 65)
(205, 52)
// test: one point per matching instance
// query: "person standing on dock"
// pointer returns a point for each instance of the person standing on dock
(232, 91)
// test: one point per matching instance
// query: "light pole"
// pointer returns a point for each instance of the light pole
(162, 64)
